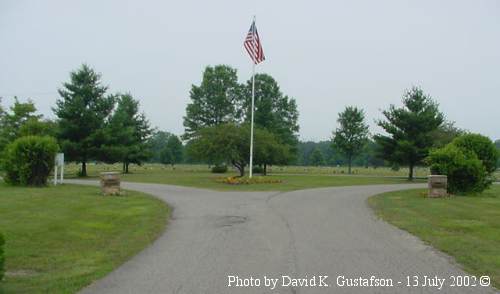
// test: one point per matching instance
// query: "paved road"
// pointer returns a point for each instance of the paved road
(308, 233)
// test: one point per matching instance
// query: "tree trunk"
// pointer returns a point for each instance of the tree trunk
(349, 163)
(410, 175)
(84, 168)
(123, 167)
(240, 167)
(265, 169)
(126, 167)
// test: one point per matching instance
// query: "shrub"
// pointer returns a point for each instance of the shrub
(258, 169)
(2, 257)
(29, 160)
(219, 169)
(482, 146)
(465, 171)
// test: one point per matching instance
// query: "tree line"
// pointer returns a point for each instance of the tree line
(93, 124)
(217, 117)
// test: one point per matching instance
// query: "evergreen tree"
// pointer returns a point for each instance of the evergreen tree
(158, 143)
(497, 143)
(127, 134)
(173, 151)
(3, 140)
(82, 112)
(409, 129)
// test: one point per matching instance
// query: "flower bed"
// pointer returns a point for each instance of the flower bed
(247, 181)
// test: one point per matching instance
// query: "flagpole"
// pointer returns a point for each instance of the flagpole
(251, 124)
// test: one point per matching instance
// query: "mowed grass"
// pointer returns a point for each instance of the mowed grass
(201, 177)
(60, 239)
(465, 227)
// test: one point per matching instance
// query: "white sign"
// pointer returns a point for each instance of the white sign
(59, 159)
(59, 163)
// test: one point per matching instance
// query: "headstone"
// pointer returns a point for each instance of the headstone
(110, 183)
(438, 185)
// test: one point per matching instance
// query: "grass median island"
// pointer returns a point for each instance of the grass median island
(60, 239)
(465, 227)
(200, 176)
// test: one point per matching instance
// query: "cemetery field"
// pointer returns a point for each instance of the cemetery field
(465, 227)
(59, 239)
(292, 178)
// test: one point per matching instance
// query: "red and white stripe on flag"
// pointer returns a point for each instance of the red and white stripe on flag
(253, 46)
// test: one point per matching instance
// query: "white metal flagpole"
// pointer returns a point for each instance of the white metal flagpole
(253, 105)
(251, 124)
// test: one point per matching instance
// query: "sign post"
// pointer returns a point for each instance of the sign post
(59, 166)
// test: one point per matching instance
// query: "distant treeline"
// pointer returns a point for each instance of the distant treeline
(309, 153)
(324, 154)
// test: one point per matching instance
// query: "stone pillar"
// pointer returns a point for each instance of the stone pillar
(110, 183)
(438, 185)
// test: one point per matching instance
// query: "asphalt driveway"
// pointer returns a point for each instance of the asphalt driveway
(219, 238)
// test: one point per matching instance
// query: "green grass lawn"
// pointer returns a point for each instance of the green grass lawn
(465, 227)
(60, 239)
(200, 176)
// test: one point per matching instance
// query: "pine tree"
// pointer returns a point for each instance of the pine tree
(410, 129)
(127, 134)
(82, 112)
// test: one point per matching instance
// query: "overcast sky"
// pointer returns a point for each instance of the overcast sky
(326, 54)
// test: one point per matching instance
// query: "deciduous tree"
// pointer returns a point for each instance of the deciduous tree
(229, 143)
(214, 101)
(274, 111)
(19, 114)
(445, 133)
(352, 133)
(22, 120)
(317, 158)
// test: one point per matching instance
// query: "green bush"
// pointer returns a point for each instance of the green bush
(29, 160)
(466, 173)
(219, 169)
(258, 169)
(469, 161)
(2, 257)
(482, 146)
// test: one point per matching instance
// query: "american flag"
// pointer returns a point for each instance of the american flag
(253, 45)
